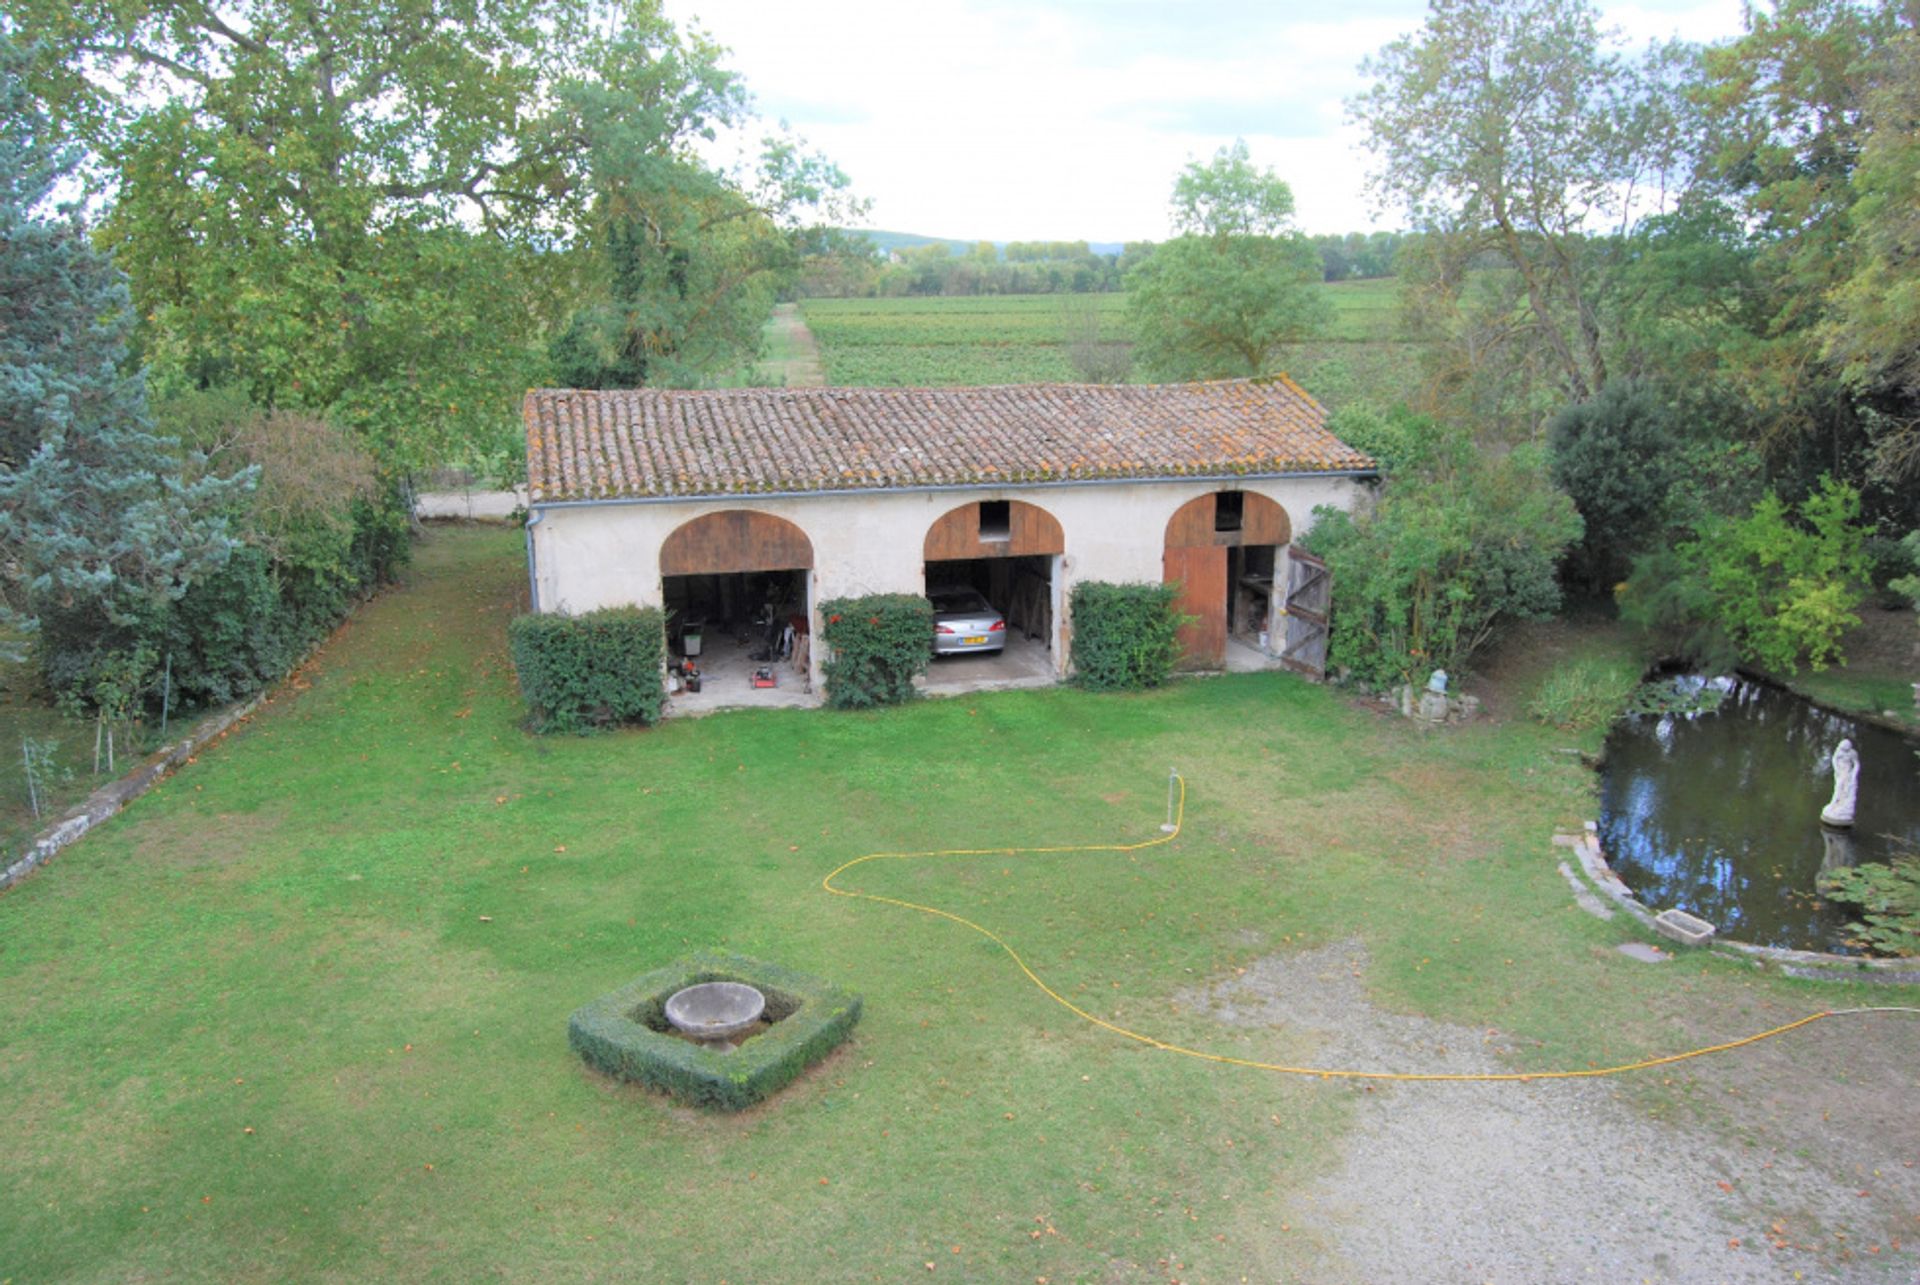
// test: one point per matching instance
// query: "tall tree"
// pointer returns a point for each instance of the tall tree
(377, 207)
(1812, 116)
(1235, 284)
(683, 263)
(1872, 330)
(96, 522)
(1510, 131)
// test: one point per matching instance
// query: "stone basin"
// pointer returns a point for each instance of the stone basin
(715, 1010)
(1688, 930)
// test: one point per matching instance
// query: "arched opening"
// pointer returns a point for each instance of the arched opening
(738, 587)
(993, 573)
(1227, 550)
(735, 540)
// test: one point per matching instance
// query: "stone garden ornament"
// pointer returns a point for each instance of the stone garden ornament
(1846, 786)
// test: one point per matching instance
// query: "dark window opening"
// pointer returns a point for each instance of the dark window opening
(996, 519)
(1228, 509)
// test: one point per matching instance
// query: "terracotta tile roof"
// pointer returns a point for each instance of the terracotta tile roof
(585, 445)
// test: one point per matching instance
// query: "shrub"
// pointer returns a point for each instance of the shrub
(600, 669)
(233, 631)
(1776, 586)
(880, 643)
(625, 1034)
(1458, 546)
(1402, 443)
(1894, 566)
(1126, 637)
(316, 531)
(1617, 455)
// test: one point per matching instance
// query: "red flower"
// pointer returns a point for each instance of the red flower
(833, 619)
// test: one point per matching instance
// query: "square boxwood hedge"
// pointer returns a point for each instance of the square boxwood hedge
(625, 1033)
(599, 669)
(1126, 637)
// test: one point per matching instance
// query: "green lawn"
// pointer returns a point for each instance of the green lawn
(1015, 339)
(301, 1012)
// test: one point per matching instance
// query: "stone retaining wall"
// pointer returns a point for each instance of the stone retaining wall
(115, 795)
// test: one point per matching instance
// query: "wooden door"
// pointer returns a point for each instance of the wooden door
(1202, 573)
(1308, 606)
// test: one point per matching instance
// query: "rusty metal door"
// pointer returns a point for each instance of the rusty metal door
(1202, 573)
(1308, 605)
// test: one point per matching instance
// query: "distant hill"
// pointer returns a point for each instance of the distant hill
(891, 241)
(888, 242)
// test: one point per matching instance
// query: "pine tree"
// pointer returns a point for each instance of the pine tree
(97, 526)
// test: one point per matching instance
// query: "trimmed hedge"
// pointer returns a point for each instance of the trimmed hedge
(625, 1034)
(601, 669)
(1126, 637)
(880, 643)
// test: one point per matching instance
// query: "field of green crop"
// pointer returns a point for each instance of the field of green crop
(925, 342)
(1021, 339)
(1364, 311)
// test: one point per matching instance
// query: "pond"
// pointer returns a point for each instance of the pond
(1717, 812)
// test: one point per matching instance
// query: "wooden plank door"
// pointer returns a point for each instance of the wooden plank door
(1202, 573)
(1309, 603)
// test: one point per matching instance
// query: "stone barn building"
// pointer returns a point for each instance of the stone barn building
(734, 507)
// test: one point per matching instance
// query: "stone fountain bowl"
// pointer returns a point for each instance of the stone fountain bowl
(715, 1010)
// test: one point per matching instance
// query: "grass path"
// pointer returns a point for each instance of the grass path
(793, 359)
(300, 1013)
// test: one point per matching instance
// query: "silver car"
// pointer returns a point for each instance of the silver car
(964, 622)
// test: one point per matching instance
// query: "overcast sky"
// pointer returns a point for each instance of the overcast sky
(1068, 119)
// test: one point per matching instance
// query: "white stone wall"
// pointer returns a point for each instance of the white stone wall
(865, 542)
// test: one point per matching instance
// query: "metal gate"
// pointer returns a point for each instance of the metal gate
(1309, 601)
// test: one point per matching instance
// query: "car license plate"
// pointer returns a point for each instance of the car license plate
(974, 641)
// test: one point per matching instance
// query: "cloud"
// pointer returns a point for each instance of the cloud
(1063, 119)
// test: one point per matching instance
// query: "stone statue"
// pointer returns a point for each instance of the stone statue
(1846, 785)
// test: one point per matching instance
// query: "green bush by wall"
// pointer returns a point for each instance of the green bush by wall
(597, 670)
(880, 643)
(1126, 637)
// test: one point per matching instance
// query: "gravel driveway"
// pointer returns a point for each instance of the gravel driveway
(1560, 1180)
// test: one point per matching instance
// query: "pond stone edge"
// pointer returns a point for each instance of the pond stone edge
(1812, 964)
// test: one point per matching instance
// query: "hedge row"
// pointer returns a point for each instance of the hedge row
(601, 669)
(1126, 637)
(580, 673)
(625, 1034)
(880, 644)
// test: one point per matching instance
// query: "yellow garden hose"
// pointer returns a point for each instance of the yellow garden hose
(1171, 832)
